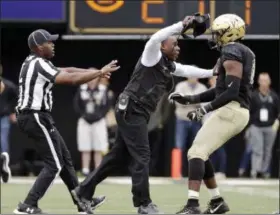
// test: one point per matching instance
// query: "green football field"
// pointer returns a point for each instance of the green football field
(243, 196)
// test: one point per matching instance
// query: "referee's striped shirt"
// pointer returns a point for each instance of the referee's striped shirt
(36, 79)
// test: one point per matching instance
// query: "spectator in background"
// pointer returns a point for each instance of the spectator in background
(219, 157)
(8, 101)
(110, 116)
(8, 97)
(186, 130)
(92, 103)
(264, 124)
(111, 126)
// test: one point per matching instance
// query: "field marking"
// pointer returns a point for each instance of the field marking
(252, 191)
(160, 181)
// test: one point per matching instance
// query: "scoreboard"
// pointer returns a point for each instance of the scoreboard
(148, 16)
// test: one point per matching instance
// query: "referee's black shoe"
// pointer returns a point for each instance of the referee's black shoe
(5, 169)
(217, 206)
(95, 203)
(83, 204)
(27, 209)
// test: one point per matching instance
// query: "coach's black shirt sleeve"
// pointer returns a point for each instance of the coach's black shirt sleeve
(47, 70)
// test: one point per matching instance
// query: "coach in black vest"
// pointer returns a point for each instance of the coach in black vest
(152, 77)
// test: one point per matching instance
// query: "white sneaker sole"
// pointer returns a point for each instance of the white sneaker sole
(5, 166)
(18, 212)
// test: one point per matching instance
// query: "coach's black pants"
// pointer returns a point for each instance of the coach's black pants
(131, 148)
(51, 147)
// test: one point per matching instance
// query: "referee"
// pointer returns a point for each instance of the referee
(36, 79)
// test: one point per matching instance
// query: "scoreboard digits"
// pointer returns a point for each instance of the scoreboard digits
(148, 16)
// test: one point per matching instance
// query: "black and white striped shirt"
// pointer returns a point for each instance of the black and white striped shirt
(36, 79)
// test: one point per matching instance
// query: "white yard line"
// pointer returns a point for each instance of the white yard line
(160, 181)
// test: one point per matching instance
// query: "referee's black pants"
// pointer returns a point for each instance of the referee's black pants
(52, 149)
(130, 149)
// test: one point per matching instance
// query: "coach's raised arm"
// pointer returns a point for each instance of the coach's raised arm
(164, 42)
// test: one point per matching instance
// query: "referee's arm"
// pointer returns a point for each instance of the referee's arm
(72, 75)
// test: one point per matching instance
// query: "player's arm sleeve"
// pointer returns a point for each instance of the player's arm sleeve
(47, 70)
(232, 81)
(206, 96)
(152, 54)
(192, 71)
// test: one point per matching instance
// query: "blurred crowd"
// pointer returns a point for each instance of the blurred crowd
(96, 126)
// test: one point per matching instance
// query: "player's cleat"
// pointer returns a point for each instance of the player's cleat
(189, 210)
(217, 206)
(27, 209)
(95, 203)
(84, 204)
(149, 209)
(5, 169)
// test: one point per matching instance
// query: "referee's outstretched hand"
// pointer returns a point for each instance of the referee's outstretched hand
(109, 68)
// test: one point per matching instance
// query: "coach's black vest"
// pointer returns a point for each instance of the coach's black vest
(148, 84)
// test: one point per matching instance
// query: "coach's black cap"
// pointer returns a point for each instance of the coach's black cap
(39, 37)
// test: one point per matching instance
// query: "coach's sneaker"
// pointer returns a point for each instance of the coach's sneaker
(149, 209)
(27, 209)
(84, 204)
(189, 210)
(5, 169)
(217, 206)
(95, 203)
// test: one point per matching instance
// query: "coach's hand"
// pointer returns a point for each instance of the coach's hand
(197, 115)
(188, 21)
(180, 98)
(216, 67)
(109, 68)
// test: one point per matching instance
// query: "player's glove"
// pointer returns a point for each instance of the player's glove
(198, 114)
(180, 98)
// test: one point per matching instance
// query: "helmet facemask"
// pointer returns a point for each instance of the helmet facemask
(215, 42)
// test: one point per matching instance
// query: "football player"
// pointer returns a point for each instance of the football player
(229, 102)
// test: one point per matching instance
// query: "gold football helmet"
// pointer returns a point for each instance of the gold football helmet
(227, 28)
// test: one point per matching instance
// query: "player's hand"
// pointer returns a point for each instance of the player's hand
(109, 68)
(180, 98)
(197, 115)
